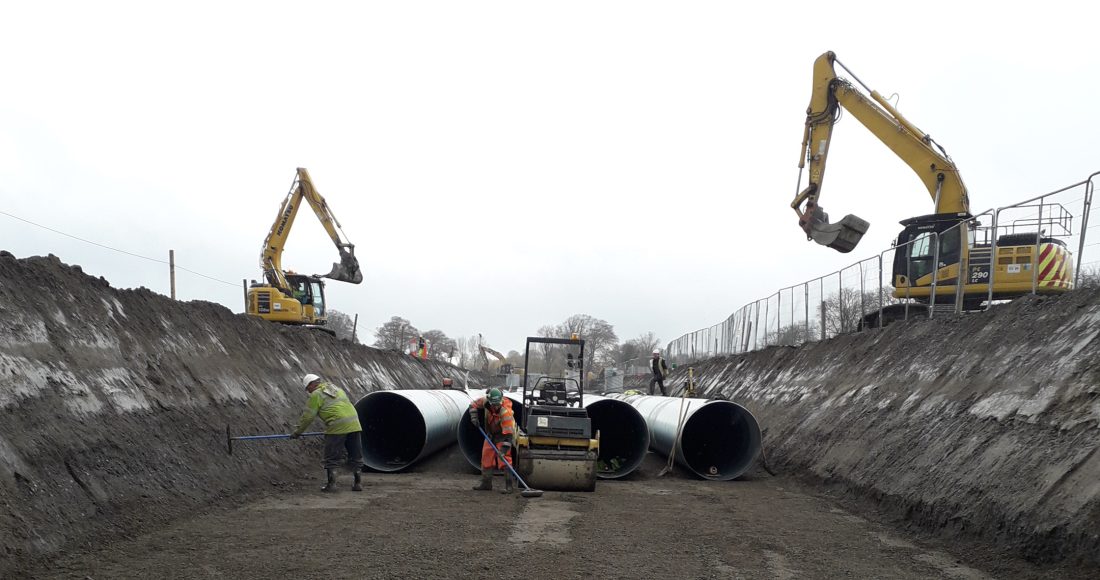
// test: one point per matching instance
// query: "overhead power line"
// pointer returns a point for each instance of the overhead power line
(56, 231)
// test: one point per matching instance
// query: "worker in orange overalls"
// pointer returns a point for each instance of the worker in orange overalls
(493, 413)
(421, 350)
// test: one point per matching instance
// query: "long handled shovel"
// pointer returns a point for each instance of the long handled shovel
(527, 490)
(229, 438)
(679, 425)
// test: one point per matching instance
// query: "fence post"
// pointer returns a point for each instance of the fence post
(806, 287)
(778, 314)
(756, 328)
(862, 291)
(172, 272)
(992, 257)
(767, 303)
(840, 300)
(823, 320)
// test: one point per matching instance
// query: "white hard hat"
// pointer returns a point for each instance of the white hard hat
(306, 380)
(656, 351)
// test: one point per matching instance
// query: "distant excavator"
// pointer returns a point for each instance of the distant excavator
(484, 351)
(291, 298)
(505, 377)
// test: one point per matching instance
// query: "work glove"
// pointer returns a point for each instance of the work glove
(295, 435)
(473, 417)
(505, 448)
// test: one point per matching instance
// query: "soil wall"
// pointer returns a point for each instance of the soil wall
(115, 404)
(986, 425)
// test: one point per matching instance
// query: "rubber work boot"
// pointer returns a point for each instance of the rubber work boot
(486, 481)
(357, 486)
(507, 484)
(330, 485)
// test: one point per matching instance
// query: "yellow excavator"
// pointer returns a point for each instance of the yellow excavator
(943, 246)
(292, 298)
(485, 351)
(505, 377)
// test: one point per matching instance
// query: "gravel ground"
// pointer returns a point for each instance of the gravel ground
(428, 523)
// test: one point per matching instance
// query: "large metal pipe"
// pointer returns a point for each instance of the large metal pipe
(469, 440)
(720, 439)
(401, 427)
(624, 435)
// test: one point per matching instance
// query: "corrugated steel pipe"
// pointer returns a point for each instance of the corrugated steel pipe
(720, 439)
(404, 426)
(624, 434)
(469, 440)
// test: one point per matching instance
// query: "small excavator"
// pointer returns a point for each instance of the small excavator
(288, 297)
(504, 377)
(557, 449)
(942, 246)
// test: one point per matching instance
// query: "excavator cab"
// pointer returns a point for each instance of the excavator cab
(557, 449)
(301, 303)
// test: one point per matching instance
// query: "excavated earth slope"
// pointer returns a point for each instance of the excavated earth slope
(985, 425)
(115, 403)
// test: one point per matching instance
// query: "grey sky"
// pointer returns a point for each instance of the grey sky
(503, 165)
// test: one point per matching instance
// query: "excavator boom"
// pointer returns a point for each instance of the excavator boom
(346, 270)
(916, 148)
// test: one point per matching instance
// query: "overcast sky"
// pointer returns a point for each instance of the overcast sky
(503, 165)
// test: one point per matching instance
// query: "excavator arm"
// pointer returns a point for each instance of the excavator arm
(484, 350)
(347, 270)
(916, 148)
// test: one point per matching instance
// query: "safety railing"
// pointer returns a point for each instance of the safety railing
(863, 294)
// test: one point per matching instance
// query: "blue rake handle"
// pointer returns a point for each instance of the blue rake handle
(229, 438)
(501, 456)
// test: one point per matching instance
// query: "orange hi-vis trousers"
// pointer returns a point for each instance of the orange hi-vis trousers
(490, 460)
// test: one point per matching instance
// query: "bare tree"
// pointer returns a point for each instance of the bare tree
(395, 334)
(599, 337)
(793, 335)
(1089, 277)
(466, 353)
(440, 346)
(634, 353)
(342, 324)
(844, 310)
(646, 343)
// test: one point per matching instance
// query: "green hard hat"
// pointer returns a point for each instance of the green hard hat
(495, 396)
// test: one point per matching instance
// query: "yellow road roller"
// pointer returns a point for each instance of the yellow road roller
(556, 449)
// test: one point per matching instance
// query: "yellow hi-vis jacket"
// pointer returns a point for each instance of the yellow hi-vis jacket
(332, 405)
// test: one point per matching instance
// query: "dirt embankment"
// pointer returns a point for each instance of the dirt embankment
(115, 403)
(985, 425)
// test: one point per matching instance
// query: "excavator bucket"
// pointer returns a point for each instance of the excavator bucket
(842, 236)
(347, 270)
